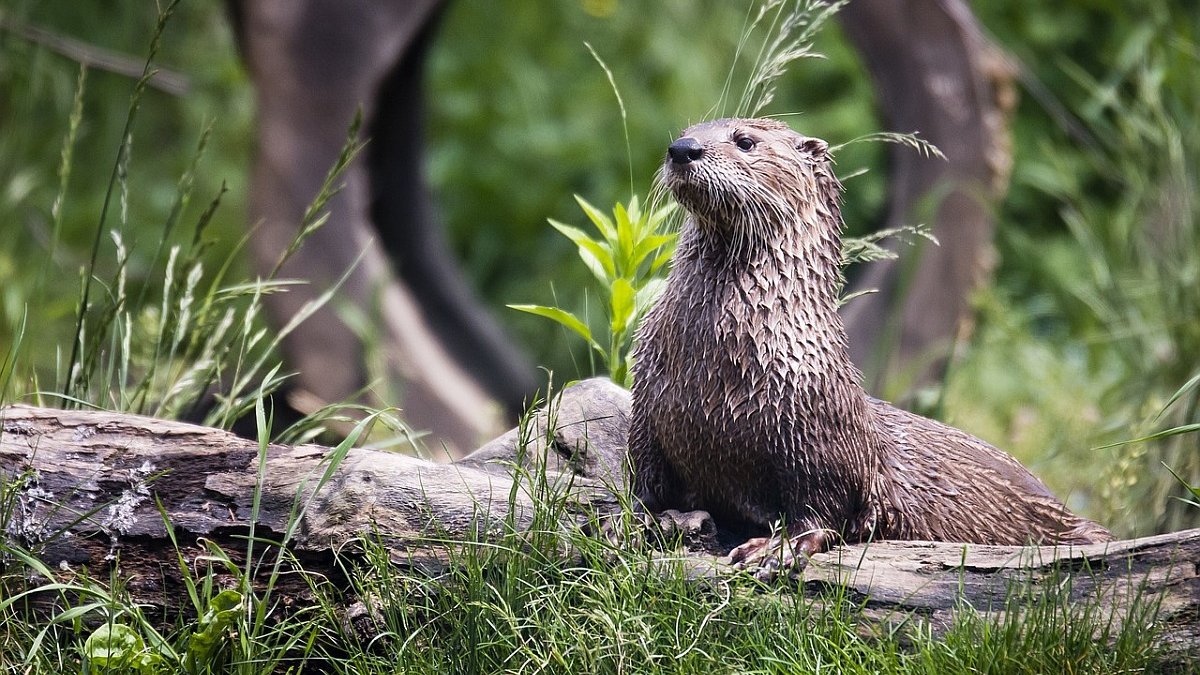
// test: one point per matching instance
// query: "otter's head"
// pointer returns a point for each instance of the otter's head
(745, 179)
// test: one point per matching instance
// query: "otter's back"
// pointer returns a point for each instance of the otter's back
(943, 484)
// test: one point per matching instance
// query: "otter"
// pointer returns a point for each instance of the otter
(745, 402)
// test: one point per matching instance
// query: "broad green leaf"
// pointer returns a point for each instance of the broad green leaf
(223, 610)
(646, 296)
(112, 645)
(622, 305)
(595, 254)
(636, 218)
(562, 317)
(648, 245)
(660, 215)
(601, 221)
(148, 663)
(663, 257)
(624, 239)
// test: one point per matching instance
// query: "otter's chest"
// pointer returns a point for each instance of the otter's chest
(723, 367)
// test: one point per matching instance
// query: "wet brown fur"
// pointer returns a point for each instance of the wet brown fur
(745, 402)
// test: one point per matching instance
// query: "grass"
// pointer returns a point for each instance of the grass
(194, 345)
(524, 615)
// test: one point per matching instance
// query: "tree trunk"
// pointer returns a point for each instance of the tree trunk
(446, 362)
(936, 73)
(99, 477)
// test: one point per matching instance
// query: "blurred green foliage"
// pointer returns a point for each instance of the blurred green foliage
(1092, 324)
(37, 90)
(521, 118)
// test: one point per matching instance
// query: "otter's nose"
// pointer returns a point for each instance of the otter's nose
(685, 150)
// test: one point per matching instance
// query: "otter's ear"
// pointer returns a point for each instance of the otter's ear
(813, 147)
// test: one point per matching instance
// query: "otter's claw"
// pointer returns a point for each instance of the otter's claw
(764, 557)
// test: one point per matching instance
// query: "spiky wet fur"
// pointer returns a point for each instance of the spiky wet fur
(745, 402)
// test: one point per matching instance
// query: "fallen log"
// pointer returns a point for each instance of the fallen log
(88, 488)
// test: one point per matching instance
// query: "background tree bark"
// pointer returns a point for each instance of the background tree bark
(313, 64)
(98, 476)
(936, 73)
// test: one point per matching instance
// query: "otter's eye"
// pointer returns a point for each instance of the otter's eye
(745, 143)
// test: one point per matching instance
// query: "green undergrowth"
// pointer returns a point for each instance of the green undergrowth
(524, 591)
(622, 611)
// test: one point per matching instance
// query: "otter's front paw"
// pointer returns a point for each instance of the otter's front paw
(695, 528)
(765, 557)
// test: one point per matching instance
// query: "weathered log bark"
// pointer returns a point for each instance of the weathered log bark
(933, 581)
(98, 476)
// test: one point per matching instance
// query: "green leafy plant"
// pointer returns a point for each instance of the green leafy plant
(115, 647)
(223, 611)
(626, 259)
